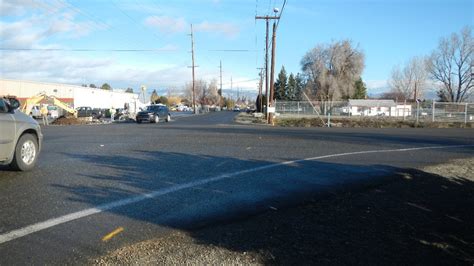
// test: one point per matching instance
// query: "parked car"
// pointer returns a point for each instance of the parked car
(35, 111)
(236, 109)
(84, 111)
(20, 137)
(98, 113)
(153, 114)
(53, 111)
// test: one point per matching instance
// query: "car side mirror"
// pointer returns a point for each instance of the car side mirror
(14, 104)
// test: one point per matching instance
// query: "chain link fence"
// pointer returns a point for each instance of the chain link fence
(418, 111)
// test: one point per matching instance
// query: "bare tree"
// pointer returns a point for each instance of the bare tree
(451, 64)
(200, 91)
(213, 95)
(332, 70)
(409, 82)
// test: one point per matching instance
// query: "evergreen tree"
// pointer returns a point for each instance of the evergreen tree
(300, 85)
(154, 97)
(106, 86)
(281, 85)
(360, 90)
(291, 88)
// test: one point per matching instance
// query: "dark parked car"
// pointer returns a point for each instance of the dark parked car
(86, 111)
(153, 114)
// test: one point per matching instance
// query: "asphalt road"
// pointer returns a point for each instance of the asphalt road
(191, 172)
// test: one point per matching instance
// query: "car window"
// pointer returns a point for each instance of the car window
(156, 108)
(3, 106)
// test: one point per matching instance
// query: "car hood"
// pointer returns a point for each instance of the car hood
(21, 117)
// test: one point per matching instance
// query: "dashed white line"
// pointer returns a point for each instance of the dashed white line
(18, 233)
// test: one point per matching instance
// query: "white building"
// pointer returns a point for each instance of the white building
(378, 108)
(75, 96)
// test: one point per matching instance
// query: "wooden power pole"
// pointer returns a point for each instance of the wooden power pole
(220, 67)
(267, 18)
(272, 74)
(260, 88)
(193, 66)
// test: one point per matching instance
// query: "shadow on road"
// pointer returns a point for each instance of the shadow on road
(310, 212)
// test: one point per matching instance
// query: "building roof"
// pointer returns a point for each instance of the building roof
(372, 103)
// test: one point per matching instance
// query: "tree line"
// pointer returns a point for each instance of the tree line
(449, 68)
(332, 72)
(106, 87)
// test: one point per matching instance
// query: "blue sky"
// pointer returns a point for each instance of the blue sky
(389, 32)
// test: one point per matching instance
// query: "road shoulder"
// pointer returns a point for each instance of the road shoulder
(421, 216)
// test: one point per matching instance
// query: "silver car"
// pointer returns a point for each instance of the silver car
(20, 137)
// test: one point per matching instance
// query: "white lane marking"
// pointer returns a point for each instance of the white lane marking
(18, 233)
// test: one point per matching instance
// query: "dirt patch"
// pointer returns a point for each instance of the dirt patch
(67, 121)
(420, 216)
(244, 118)
(70, 121)
(367, 122)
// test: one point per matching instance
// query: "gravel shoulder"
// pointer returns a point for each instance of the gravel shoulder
(349, 122)
(419, 216)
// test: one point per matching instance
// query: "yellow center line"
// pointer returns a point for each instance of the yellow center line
(112, 234)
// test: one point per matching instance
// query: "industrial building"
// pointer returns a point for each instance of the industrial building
(75, 96)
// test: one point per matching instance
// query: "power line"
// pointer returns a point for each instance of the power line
(84, 50)
(51, 8)
(93, 18)
(133, 20)
(233, 50)
(281, 12)
(238, 82)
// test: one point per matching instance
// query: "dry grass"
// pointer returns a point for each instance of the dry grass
(367, 123)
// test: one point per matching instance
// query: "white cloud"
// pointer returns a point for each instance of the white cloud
(376, 84)
(166, 24)
(15, 7)
(78, 68)
(227, 29)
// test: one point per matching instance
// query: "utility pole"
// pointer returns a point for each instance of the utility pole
(231, 87)
(220, 66)
(260, 88)
(193, 66)
(219, 92)
(267, 18)
(272, 74)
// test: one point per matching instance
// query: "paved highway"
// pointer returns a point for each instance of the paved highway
(191, 172)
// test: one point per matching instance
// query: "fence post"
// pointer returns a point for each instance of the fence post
(329, 119)
(298, 110)
(404, 109)
(433, 111)
(465, 114)
(417, 111)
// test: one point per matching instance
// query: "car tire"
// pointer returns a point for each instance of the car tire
(139, 121)
(168, 118)
(26, 153)
(156, 120)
